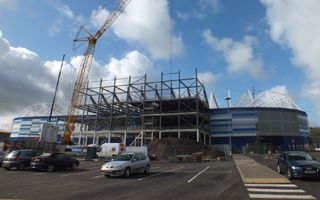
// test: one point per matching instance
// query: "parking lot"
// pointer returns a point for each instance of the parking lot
(207, 180)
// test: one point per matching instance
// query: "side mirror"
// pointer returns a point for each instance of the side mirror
(134, 160)
(314, 158)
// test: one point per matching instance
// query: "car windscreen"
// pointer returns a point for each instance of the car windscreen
(123, 157)
(45, 155)
(299, 156)
(13, 154)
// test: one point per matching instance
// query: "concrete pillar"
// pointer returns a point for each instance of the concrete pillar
(198, 136)
(109, 137)
(125, 138)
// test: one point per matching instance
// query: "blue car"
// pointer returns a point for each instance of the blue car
(298, 164)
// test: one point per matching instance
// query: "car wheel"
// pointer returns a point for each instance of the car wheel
(279, 169)
(7, 168)
(74, 166)
(21, 167)
(50, 168)
(147, 169)
(127, 172)
(107, 175)
(289, 174)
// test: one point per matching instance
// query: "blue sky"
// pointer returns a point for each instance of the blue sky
(236, 45)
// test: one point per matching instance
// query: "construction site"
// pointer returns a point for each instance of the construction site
(144, 111)
(138, 111)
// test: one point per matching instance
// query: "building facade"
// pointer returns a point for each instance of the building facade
(278, 128)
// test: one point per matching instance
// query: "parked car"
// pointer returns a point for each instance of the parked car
(2, 156)
(19, 159)
(126, 164)
(53, 161)
(298, 164)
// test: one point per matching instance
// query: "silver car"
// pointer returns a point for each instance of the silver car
(126, 164)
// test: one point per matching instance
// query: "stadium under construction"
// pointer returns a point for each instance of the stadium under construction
(137, 111)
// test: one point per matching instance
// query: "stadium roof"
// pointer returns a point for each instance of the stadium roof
(267, 98)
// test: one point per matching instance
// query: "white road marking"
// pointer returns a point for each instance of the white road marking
(170, 170)
(101, 176)
(189, 181)
(275, 190)
(39, 173)
(74, 174)
(96, 167)
(280, 196)
(208, 172)
(270, 185)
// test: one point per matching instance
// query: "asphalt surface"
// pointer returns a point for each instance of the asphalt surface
(310, 185)
(209, 180)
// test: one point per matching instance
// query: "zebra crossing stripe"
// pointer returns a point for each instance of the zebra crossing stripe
(275, 190)
(279, 196)
(270, 185)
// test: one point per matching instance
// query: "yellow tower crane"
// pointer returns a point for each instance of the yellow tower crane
(84, 68)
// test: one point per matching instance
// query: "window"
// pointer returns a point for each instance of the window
(135, 158)
(27, 154)
(60, 156)
(142, 157)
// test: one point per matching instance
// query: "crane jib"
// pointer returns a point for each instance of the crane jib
(85, 67)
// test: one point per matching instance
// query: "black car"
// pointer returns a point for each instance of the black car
(19, 159)
(298, 164)
(52, 161)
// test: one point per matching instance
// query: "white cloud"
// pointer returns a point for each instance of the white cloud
(281, 89)
(98, 16)
(66, 18)
(238, 55)
(66, 11)
(26, 80)
(193, 15)
(295, 25)
(55, 27)
(147, 24)
(214, 5)
(11, 4)
(201, 10)
(208, 77)
(134, 64)
(23, 79)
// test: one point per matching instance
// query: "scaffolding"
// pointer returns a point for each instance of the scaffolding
(136, 110)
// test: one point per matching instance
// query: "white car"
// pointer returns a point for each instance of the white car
(126, 164)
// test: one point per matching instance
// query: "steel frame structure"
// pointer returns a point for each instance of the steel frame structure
(146, 110)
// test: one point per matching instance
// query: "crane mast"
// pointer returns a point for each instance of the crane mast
(84, 68)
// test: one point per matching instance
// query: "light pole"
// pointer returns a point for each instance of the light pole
(228, 99)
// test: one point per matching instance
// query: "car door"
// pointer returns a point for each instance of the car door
(67, 161)
(135, 163)
(26, 157)
(142, 162)
(59, 160)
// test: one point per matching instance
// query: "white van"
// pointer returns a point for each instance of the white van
(107, 150)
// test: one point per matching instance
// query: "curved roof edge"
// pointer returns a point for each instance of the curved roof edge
(268, 98)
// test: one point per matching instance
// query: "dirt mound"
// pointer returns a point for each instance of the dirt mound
(179, 149)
